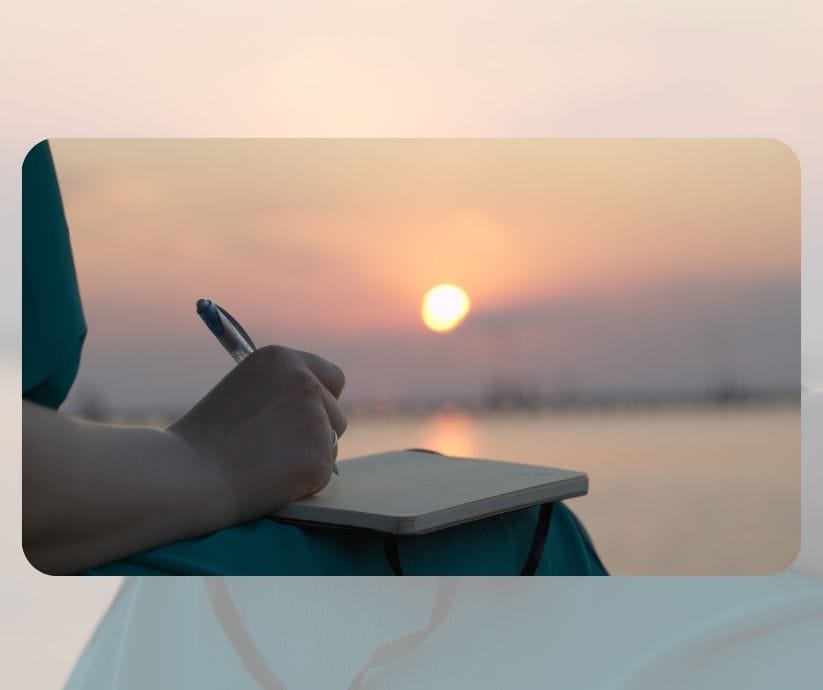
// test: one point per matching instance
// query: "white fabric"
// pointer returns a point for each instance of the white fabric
(611, 633)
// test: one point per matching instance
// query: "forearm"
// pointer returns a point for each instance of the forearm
(93, 493)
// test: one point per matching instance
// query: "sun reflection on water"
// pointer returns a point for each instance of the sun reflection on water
(450, 432)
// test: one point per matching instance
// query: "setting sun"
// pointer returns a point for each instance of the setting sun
(444, 307)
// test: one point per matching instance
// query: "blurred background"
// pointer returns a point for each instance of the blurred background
(634, 310)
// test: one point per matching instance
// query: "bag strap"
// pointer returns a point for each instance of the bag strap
(237, 633)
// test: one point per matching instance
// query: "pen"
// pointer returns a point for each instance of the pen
(232, 336)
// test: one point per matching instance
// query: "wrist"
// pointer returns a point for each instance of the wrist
(210, 494)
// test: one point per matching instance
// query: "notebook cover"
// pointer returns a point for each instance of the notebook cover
(414, 492)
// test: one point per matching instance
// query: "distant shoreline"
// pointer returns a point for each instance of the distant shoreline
(648, 404)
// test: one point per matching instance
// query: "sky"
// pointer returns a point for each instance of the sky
(593, 266)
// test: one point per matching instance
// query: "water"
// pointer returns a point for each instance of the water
(703, 490)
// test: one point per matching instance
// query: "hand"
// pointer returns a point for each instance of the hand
(266, 426)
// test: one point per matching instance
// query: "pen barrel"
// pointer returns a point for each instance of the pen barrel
(235, 345)
(233, 338)
(239, 354)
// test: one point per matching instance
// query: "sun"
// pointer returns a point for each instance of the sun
(444, 307)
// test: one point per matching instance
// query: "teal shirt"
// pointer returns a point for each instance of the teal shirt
(53, 323)
(53, 334)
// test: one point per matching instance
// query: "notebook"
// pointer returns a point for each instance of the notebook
(414, 492)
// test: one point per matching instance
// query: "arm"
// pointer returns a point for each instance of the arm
(93, 493)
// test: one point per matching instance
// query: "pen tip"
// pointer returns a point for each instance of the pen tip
(202, 305)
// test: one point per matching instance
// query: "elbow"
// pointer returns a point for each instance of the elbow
(42, 558)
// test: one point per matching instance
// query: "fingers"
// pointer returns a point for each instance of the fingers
(335, 413)
(305, 371)
(330, 375)
(338, 422)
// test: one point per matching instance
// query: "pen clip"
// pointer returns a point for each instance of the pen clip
(239, 328)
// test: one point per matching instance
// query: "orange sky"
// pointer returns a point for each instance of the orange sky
(350, 234)
(331, 244)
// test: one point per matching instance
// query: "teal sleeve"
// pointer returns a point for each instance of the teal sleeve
(53, 323)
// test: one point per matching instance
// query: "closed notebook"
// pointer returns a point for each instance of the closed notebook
(414, 492)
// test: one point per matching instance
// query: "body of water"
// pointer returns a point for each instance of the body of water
(680, 491)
